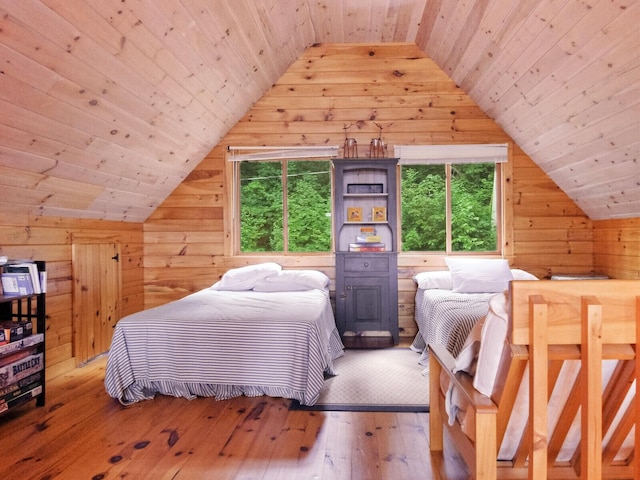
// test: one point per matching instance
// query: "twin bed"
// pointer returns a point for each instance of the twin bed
(260, 330)
(543, 384)
(448, 303)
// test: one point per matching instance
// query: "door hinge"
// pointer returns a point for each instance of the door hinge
(116, 257)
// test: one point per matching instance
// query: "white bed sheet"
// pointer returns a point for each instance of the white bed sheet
(226, 344)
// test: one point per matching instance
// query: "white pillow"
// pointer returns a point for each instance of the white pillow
(479, 275)
(245, 278)
(439, 279)
(522, 275)
(292, 281)
(492, 342)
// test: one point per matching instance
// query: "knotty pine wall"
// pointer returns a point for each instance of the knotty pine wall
(616, 246)
(185, 244)
(188, 240)
(50, 239)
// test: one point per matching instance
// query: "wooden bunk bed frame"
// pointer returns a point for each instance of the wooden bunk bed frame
(551, 322)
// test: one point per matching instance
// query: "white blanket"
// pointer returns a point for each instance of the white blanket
(226, 344)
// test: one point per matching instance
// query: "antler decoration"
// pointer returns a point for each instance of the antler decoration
(380, 132)
(345, 128)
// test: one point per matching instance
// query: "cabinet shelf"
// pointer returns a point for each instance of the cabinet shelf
(367, 222)
(365, 195)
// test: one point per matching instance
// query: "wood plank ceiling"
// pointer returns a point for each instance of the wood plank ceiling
(106, 105)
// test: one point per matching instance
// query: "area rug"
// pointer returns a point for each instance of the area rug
(376, 380)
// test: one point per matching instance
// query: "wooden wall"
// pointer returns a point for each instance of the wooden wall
(188, 239)
(50, 239)
(616, 245)
(185, 244)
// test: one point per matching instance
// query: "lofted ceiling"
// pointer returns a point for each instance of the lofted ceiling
(107, 105)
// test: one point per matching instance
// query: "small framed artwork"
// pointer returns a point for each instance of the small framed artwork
(354, 214)
(379, 214)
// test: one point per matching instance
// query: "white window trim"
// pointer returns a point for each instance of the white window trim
(239, 154)
(443, 154)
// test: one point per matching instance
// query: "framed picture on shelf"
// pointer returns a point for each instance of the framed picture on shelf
(354, 214)
(379, 214)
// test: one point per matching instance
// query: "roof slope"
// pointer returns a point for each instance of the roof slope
(107, 104)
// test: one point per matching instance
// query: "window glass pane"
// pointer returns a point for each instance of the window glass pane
(423, 200)
(473, 209)
(309, 206)
(261, 211)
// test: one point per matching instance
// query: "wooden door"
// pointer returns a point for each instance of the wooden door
(96, 296)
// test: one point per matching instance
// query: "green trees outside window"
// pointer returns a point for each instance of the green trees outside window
(473, 218)
(423, 200)
(300, 221)
(306, 227)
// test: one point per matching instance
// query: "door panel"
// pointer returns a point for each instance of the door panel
(367, 303)
(96, 297)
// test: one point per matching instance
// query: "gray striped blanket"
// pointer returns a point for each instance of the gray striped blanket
(225, 344)
(446, 318)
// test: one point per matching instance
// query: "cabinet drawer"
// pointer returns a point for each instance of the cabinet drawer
(367, 264)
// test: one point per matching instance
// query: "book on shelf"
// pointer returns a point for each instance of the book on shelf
(18, 389)
(25, 342)
(369, 239)
(367, 247)
(16, 283)
(23, 277)
(36, 377)
(20, 369)
(31, 268)
(24, 396)
(368, 235)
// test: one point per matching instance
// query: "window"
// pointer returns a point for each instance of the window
(272, 221)
(450, 198)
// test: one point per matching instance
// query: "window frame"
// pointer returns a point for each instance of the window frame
(236, 204)
(503, 189)
(448, 155)
(499, 207)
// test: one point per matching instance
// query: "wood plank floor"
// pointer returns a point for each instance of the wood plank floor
(82, 433)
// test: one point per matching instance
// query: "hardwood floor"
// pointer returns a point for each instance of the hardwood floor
(82, 433)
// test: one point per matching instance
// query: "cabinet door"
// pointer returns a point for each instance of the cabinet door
(367, 303)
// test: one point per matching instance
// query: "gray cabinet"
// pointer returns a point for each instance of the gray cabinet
(365, 235)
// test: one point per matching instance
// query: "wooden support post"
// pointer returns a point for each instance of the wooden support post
(436, 433)
(591, 373)
(486, 460)
(538, 387)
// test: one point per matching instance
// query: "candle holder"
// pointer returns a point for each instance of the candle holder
(350, 145)
(377, 148)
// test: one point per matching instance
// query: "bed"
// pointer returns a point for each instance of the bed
(544, 386)
(448, 303)
(260, 330)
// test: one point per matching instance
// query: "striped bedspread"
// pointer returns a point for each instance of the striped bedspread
(446, 318)
(225, 344)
